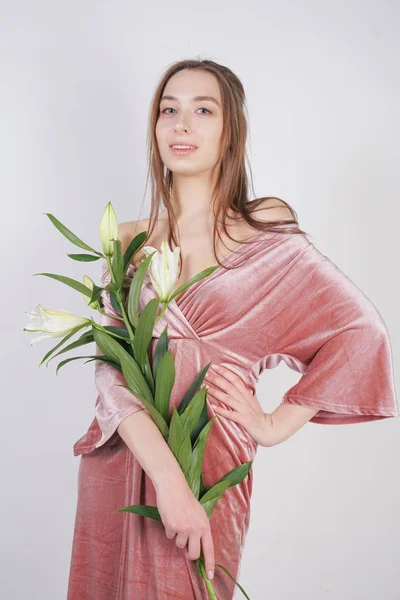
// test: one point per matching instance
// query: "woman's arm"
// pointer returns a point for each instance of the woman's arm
(284, 421)
(122, 411)
(147, 443)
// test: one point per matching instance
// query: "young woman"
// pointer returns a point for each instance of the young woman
(275, 297)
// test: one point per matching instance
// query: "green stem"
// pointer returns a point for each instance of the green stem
(209, 585)
(202, 571)
(127, 323)
(164, 306)
(121, 303)
(237, 583)
(109, 315)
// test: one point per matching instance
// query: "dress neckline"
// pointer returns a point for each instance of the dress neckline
(228, 258)
(231, 254)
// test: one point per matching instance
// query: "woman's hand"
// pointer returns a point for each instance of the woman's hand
(226, 386)
(184, 517)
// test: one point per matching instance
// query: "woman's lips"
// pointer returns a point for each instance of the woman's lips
(181, 151)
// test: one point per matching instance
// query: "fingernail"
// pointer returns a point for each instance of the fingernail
(210, 574)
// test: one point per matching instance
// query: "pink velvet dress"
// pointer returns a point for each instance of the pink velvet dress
(285, 301)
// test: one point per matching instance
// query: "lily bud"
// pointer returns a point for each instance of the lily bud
(163, 269)
(89, 284)
(108, 230)
(53, 323)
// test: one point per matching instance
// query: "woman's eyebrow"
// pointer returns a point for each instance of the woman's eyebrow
(195, 99)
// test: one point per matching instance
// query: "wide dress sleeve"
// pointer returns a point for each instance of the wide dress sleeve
(340, 343)
(114, 403)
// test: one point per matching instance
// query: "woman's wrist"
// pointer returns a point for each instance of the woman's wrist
(167, 479)
(284, 421)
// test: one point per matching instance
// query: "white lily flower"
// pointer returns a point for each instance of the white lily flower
(108, 230)
(53, 323)
(163, 269)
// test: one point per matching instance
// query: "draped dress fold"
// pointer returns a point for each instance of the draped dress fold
(284, 300)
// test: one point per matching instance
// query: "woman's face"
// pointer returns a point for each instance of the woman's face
(185, 120)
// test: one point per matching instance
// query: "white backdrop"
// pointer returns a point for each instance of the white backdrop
(322, 82)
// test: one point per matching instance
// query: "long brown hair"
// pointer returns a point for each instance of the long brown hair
(231, 190)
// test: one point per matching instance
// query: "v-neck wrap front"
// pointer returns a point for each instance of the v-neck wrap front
(285, 300)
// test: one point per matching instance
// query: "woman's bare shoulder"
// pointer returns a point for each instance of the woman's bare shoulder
(127, 230)
(272, 209)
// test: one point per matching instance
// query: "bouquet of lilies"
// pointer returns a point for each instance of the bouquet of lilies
(126, 348)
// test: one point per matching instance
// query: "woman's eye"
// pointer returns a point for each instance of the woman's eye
(163, 111)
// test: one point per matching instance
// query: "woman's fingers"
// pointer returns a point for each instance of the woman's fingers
(181, 540)
(170, 534)
(193, 551)
(208, 552)
(232, 379)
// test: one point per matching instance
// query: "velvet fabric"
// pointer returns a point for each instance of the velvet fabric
(284, 301)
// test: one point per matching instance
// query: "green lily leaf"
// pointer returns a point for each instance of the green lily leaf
(115, 304)
(69, 335)
(84, 257)
(210, 504)
(106, 359)
(237, 474)
(161, 349)
(194, 386)
(203, 488)
(93, 294)
(236, 582)
(107, 343)
(142, 509)
(165, 379)
(119, 332)
(210, 498)
(91, 358)
(117, 264)
(202, 422)
(130, 368)
(133, 247)
(194, 477)
(148, 373)
(205, 273)
(135, 289)
(135, 378)
(192, 412)
(144, 331)
(85, 338)
(187, 398)
(67, 360)
(70, 236)
(175, 436)
(184, 454)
